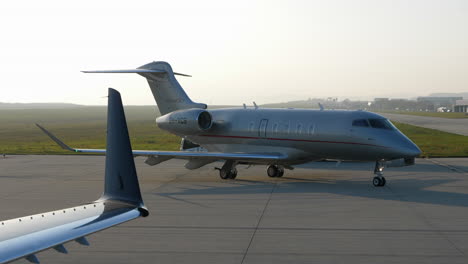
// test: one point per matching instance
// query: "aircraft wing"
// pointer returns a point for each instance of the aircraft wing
(121, 202)
(25, 236)
(179, 154)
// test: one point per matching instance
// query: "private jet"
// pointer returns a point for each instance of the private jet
(279, 138)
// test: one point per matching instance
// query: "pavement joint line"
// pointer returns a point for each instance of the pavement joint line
(259, 221)
(450, 167)
(184, 252)
(295, 229)
(177, 177)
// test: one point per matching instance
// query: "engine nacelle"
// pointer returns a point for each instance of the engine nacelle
(400, 162)
(186, 122)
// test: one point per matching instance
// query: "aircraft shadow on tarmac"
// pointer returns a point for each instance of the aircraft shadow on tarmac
(356, 166)
(404, 190)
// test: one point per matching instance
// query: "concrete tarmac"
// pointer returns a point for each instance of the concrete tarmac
(452, 125)
(318, 213)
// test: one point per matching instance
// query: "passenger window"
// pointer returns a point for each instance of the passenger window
(251, 126)
(360, 122)
(311, 129)
(284, 129)
(299, 129)
(275, 128)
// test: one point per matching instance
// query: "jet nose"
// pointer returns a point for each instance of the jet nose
(413, 151)
(409, 149)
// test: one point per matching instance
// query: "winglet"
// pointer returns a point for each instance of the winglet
(54, 138)
(121, 182)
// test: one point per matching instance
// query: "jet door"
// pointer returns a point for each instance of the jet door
(262, 128)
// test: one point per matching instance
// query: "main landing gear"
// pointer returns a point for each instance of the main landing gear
(228, 171)
(379, 179)
(275, 171)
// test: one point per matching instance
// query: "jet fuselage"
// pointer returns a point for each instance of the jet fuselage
(304, 135)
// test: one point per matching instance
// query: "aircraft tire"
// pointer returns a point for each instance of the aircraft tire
(273, 171)
(383, 182)
(223, 174)
(280, 172)
(233, 174)
(377, 182)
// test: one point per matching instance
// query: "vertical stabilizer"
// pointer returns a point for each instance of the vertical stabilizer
(121, 182)
(167, 92)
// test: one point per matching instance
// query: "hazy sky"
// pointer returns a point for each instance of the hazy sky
(237, 51)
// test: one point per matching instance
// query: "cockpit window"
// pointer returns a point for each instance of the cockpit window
(381, 123)
(360, 122)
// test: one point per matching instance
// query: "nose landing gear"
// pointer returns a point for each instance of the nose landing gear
(275, 171)
(379, 179)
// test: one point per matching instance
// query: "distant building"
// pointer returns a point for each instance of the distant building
(381, 99)
(448, 102)
(461, 106)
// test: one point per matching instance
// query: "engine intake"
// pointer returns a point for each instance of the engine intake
(186, 122)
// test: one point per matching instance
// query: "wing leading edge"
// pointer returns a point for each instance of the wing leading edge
(120, 202)
(178, 154)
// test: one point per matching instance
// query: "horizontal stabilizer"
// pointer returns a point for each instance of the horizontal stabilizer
(167, 91)
(135, 71)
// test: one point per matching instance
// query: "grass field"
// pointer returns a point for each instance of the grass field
(85, 127)
(430, 114)
(435, 143)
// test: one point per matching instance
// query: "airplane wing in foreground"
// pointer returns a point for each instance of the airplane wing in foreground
(166, 155)
(121, 202)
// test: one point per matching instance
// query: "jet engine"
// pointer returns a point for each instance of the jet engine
(186, 122)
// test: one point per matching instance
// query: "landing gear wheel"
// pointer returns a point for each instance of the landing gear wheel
(383, 181)
(273, 171)
(223, 174)
(281, 172)
(233, 174)
(228, 174)
(228, 171)
(376, 181)
(379, 181)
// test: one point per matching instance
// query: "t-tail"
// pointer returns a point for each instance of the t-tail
(166, 90)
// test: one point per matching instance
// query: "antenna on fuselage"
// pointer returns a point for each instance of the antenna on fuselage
(321, 106)
(245, 107)
(255, 105)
